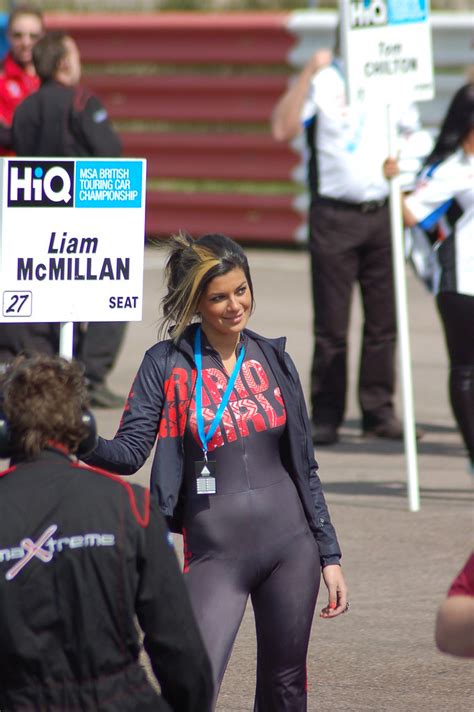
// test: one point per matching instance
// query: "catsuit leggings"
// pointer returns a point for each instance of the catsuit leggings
(457, 315)
(283, 587)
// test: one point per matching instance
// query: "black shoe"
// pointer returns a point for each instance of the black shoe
(101, 397)
(391, 429)
(324, 434)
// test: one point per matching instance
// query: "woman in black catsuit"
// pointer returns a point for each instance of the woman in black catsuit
(234, 469)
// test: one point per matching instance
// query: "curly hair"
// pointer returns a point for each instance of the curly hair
(191, 265)
(43, 398)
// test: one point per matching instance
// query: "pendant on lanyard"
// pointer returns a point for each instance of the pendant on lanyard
(205, 469)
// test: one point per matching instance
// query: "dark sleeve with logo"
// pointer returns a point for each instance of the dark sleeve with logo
(172, 639)
(65, 122)
(90, 126)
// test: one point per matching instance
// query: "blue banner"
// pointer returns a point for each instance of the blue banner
(100, 184)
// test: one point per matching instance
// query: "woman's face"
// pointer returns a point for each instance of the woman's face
(226, 304)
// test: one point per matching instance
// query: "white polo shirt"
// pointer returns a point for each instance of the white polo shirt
(438, 187)
(351, 142)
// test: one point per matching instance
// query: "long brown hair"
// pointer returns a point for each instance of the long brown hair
(190, 267)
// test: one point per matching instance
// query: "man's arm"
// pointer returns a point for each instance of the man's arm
(455, 620)
(455, 626)
(391, 170)
(286, 117)
(90, 124)
(5, 135)
(25, 128)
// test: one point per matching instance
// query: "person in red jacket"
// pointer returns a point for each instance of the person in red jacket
(18, 77)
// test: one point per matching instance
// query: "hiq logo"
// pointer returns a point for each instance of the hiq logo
(41, 184)
(367, 13)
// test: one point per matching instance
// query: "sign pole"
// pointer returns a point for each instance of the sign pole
(66, 340)
(409, 428)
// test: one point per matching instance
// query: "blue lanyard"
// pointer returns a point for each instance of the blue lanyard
(205, 437)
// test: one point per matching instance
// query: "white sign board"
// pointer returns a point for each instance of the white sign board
(72, 235)
(387, 50)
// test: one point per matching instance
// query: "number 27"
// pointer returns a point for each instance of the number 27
(17, 303)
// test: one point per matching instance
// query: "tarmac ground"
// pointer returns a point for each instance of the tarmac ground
(380, 656)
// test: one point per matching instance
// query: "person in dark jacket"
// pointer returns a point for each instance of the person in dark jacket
(234, 468)
(63, 119)
(84, 554)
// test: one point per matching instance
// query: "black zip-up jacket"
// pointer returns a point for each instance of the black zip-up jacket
(157, 410)
(63, 121)
(81, 554)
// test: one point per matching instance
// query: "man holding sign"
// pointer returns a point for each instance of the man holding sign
(349, 243)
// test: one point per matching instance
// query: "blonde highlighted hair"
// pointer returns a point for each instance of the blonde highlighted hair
(190, 266)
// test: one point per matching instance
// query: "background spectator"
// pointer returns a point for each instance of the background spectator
(350, 242)
(18, 76)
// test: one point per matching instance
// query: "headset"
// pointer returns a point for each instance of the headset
(86, 446)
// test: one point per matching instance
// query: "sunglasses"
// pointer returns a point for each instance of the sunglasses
(32, 35)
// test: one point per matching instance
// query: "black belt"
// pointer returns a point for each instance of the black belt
(369, 206)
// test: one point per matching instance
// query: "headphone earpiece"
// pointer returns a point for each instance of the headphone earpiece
(89, 442)
(86, 446)
(5, 437)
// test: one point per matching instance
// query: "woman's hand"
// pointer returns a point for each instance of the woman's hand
(390, 168)
(337, 592)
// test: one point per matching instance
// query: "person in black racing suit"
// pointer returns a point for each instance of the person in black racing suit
(82, 555)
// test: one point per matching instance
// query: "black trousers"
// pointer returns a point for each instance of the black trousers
(97, 347)
(27, 338)
(457, 316)
(349, 246)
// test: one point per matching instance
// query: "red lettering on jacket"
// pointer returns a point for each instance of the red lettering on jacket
(175, 406)
(255, 376)
(253, 409)
(274, 419)
(246, 411)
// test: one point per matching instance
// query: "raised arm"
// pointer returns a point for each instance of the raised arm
(286, 117)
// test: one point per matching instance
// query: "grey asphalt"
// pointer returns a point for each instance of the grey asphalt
(398, 564)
